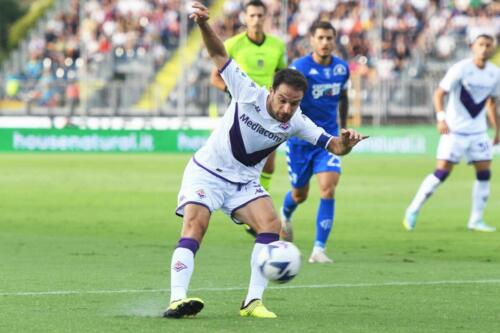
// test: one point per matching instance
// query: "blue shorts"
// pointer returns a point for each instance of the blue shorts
(306, 160)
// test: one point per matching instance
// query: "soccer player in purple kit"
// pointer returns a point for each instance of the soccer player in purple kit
(327, 78)
(224, 173)
(473, 85)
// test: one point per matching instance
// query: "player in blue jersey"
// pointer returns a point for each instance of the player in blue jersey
(324, 102)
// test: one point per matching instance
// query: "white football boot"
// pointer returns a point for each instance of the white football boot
(286, 227)
(480, 226)
(319, 256)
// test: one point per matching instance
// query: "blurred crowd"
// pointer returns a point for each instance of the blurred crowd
(112, 33)
(393, 31)
(393, 38)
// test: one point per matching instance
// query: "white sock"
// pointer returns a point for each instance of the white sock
(317, 249)
(258, 282)
(480, 194)
(428, 186)
(181, 270)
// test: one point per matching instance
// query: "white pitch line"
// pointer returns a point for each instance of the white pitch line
(223, 289)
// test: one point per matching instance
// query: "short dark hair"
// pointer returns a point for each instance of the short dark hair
(290, 77)
(322, 25)
(255, 3)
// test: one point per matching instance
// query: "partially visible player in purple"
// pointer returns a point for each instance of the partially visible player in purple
(473, 85)
(324, 102)
(224, 173)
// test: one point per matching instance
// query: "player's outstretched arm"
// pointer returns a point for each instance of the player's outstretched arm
(343, 144)
(214, 44)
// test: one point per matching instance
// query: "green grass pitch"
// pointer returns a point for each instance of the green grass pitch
(85, 245)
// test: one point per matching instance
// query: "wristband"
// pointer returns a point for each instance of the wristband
(440, 116)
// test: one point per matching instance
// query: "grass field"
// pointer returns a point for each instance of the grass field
(85, 245)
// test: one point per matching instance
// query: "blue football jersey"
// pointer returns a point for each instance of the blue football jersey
(325, 85)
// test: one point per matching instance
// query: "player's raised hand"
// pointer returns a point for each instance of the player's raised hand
(350, 137)
(443, 127)
(199, 13)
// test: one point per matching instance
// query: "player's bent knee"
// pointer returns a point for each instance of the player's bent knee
(271, 226)
(194, 228)
(327, 193)
(483, 175)
(299, 197)
(441, 174)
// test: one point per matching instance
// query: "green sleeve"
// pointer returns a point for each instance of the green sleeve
(229, 45)
(282, 61)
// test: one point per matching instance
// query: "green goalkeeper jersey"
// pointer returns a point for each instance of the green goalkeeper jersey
(259, 62)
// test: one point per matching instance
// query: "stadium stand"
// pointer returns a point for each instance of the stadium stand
(396, 50)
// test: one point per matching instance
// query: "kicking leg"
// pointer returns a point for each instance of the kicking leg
(195, 224)
(262, 218)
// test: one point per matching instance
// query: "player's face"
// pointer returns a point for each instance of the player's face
(323, 42)
(254, 18)
(284, 102)
(482, 48)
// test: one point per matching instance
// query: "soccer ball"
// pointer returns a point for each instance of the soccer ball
(279, 261)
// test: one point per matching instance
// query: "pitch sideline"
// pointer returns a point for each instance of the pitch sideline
(223, 289)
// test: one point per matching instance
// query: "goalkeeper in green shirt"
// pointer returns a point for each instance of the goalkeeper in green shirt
(259, 55)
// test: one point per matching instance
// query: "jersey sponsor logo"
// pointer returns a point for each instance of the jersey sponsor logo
(327, 89)
(179, 266)
(260, 63)
(339, 70)
(256, 127)
(313, 71)
(327, 72)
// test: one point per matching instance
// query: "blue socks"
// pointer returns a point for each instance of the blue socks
(289, 205)
(324, 221)
(324, 218)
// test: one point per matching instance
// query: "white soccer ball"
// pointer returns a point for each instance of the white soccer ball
(279, 261)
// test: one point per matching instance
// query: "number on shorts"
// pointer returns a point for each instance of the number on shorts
(334, 161)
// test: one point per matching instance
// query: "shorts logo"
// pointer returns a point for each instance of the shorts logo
(258, 189)
(201, 193)
(179, 266)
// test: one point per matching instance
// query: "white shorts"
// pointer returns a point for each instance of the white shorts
(200, 186)
(476, 147)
